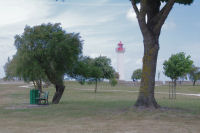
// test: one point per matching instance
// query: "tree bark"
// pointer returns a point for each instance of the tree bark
(150, 19)
(57, 80)
(146, 95)
(58, 94)
(174, 89)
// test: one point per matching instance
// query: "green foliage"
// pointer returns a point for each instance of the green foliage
(10, 69)
(137, 74)
(113, 82)
(177, 66)
(194, 74)
(46, 52)
(49, 48)
(185, 2)
(104, 65)
(93, 70)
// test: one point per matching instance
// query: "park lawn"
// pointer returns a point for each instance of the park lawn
(83, 111)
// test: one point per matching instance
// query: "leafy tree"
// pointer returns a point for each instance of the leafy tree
(137, 74)
(93, 70)
(194, 74)
(113, 82)
(24, 68)
(10, 71)
(176, 66)
(151, 18)
(47, 50)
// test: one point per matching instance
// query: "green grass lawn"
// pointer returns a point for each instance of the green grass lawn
(82, 110)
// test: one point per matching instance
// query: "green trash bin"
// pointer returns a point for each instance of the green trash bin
(31, 98)
(34, 95)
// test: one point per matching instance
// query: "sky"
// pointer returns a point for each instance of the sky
(102, 24)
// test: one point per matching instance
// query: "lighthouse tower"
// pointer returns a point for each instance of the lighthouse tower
(120, 60)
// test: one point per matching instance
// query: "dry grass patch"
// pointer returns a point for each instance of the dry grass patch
(82, 111)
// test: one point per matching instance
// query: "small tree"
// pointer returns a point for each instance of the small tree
(137, 74)
(194, 74)
(94, 70)
(49, 50)
(114, 81)
(177, 66)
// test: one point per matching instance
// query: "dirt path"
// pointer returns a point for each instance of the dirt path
(184, 94)
(166, 93)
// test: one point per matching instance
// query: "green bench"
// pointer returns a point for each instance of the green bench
(43, 98)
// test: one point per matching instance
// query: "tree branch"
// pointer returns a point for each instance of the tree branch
(143, 9)
(135, 7)
(162, 15)
(141, 15)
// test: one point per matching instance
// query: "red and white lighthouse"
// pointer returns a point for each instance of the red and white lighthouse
(120, 60)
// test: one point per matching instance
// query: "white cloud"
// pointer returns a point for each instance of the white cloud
(139, 62)
(92, 3)
(100, 23)
(13, 11)
(71, 19)
(14, 16)
(130, 15)
(169, 25)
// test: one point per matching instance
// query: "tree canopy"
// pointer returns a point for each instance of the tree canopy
(177, 65)
(22, 67)
(185, 2)
(10, 69)
(194, 74)
(94, 70)
(137, 74)
(47, 50)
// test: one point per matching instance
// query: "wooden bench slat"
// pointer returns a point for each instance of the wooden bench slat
(43, 97)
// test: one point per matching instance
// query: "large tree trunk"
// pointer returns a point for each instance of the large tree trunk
(146, 95)
(151, 19)
(57, 80)
(58, 94)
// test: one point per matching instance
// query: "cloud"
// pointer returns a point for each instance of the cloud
(14, 16)
(130, 15)
(71, 19)
(139, 62)
(102, 24)
(92, 3)
(18, 11)
(169, 25)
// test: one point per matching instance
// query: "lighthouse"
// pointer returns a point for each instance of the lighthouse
(120, 60)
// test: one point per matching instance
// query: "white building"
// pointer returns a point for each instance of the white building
(120, 60)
